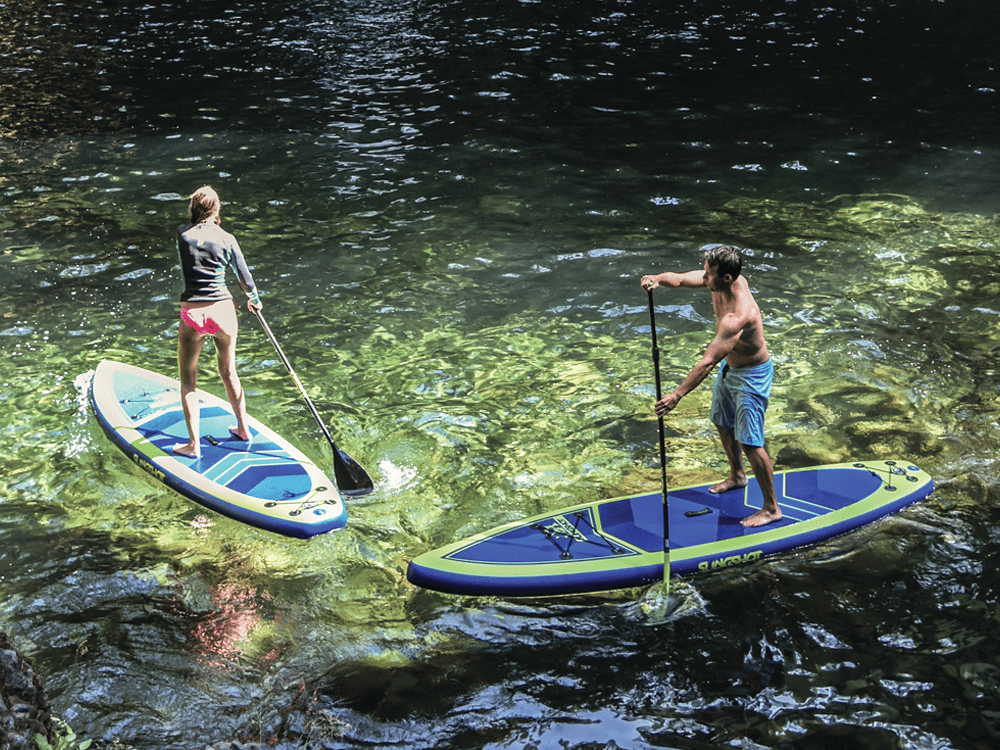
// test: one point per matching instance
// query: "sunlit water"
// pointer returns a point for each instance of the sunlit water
(448, 207)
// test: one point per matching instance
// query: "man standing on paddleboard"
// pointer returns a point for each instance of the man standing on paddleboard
(208, 309)
(743, 386)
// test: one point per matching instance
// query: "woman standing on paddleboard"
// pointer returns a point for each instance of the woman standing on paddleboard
(208, 309)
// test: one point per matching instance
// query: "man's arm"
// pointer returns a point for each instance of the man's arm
(691, 279)
(723, 343)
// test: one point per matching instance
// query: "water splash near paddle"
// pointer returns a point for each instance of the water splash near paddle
(659, 607)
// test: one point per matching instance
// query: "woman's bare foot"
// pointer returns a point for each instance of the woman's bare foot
(762, 517)
(235, 432)
(187, 450)
(728, 484)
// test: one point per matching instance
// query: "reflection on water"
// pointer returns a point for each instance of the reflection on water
(448, 215)
(236, 616)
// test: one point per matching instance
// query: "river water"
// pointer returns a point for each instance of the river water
(448, 206)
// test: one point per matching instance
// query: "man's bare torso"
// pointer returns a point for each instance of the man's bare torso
(751, 348)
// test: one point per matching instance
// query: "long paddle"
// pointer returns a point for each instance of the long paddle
(663, 455)
(351, 478)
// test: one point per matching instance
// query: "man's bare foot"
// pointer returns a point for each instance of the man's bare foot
(728, 484)
(187, 450)
(235, 432)
(762, 518)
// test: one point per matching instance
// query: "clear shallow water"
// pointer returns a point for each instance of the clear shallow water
(448, 208)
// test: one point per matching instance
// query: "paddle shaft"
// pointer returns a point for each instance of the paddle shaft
(351, 478)
(663, 451)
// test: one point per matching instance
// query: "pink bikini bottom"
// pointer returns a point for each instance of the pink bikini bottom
(199, 320)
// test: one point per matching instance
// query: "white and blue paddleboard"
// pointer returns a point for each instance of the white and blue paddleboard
(264, 482)
(618, 543)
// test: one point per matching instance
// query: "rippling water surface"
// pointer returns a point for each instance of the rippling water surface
(448, 206)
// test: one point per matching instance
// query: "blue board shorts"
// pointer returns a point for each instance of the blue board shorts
(739, 400)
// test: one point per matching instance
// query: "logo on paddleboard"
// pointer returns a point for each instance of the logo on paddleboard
(146, 466)
(727, 562)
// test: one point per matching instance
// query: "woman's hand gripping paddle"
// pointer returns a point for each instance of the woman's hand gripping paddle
(351, 478)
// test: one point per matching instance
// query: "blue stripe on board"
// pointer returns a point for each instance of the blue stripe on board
(230, 466)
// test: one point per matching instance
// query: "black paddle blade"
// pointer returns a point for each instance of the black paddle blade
(352, 479)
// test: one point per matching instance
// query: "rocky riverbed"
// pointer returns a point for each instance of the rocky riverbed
(24, 707)
(25, 710)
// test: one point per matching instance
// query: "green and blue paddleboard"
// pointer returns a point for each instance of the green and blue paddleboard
(618, 543)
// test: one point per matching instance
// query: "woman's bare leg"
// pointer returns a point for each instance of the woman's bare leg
(189, 344)
(225, 345)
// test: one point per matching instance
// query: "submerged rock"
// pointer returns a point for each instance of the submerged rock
(24, 706)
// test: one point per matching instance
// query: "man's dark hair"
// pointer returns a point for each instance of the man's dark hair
(726, 258)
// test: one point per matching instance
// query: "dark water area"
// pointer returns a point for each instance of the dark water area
(867, 94)
(448, 206)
